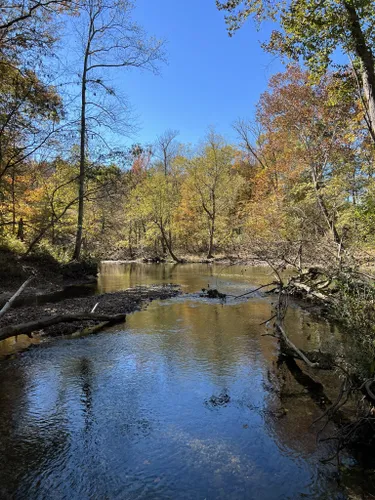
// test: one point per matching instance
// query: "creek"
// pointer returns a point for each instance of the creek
(184, 402)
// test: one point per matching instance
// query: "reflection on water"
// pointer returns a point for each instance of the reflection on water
(14, 344)
(126, 413)
(192, 277)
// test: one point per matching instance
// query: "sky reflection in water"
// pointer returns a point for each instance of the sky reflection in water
(128, 414)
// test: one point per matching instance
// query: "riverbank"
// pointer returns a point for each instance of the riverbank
(110, 304)
(49, 274)
(52, 277)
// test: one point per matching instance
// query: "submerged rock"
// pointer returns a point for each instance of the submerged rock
(212, 293)
(221, 400)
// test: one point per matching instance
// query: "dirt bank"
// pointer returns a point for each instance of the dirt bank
(123, 302)
(50, 275)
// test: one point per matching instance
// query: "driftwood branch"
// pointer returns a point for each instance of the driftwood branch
(91, 329)
(32, 326)
(253, 291)
(8, 304)
(94, 308)
(309, 291)
(290, 344)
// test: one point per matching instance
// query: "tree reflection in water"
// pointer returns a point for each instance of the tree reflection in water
(123, 414)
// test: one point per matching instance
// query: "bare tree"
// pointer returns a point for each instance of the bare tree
(167, 148)
(111, 40)
(247, 133)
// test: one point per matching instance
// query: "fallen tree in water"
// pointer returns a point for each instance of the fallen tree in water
(345, 294)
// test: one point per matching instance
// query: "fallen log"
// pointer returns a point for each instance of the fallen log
(8, 304)
(296, 287)
(32, 326)
(89, 330)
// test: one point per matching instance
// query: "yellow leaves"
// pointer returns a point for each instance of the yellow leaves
(266, 219)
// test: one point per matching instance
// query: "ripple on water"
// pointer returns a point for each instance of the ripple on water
(124, 414)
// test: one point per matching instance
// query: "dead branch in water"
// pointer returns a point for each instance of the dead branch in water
(253, 291)
(91, 329)
(290, 344)
(350, 431)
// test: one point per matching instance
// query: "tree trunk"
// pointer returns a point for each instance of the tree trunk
(167, 244)
(52, 230)
(211, 243)
(131, 251)
(323, 208)
(82, 171)
(82, 152)
(9, 304)
(366, 58)
(20, 232)
(212, 228)
(328, 218)
(163, 246)
(13, 202)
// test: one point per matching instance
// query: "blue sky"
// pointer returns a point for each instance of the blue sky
(210, 79)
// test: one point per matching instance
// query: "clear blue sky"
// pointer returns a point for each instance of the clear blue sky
(210, 79)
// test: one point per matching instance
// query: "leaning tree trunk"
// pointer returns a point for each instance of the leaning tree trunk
(323, 208)
(167, 243)
(366, 58)
(328, 218)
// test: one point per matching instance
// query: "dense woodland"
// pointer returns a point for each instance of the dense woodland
(72, 185)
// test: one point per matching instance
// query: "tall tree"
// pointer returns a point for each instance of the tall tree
(156, 199)
(212, 183)
(314, 31)
(166, 148)
(310, 135)
(111, 41)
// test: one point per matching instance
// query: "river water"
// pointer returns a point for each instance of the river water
(184, 402)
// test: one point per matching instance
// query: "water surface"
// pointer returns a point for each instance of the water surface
(184, 402)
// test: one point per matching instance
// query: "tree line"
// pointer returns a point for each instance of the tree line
(300, 173)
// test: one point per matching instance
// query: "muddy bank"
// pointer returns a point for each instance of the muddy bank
(123, 302)
(49, 275)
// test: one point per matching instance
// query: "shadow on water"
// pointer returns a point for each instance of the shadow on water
(69, 292)
(186, 401)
